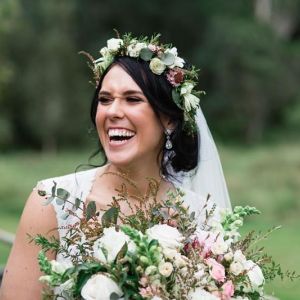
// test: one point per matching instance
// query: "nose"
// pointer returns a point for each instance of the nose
(115, 110)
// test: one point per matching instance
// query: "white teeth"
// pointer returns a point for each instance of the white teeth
(120, 132)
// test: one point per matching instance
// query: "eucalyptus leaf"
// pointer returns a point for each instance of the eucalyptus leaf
(192, 216)
(114, 296)
(168, 58)
(146, 54)
(64, 216)
(110, 217)
(90, 210)
(63, 194)
(48, 201)
(77, 203)
(59, 201)
(176, 98)
(53, 190)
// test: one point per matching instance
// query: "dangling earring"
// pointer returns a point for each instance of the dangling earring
(168, 144)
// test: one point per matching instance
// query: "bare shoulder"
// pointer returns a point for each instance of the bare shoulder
(22, 267)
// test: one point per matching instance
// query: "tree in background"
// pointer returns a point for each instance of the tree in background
(248, 53)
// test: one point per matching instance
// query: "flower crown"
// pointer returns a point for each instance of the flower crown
(163, 60)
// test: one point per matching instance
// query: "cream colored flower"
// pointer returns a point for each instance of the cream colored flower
(167, 236)
(157, 66)
(236, 268)
(100, 287)
(169, 253)
(199, 293)
(219, 247)
(112, 241)
(239, 256)
(135, 48)
(114, 44)
(150, 270)
(179, 261)
(255, 276)
(104, 51)
(165, 269)
(228, 256)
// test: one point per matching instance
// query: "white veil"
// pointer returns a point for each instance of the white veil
(208, 177)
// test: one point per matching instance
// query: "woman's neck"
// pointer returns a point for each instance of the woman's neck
(139, 176)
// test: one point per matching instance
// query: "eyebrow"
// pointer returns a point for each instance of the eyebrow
(126, 93)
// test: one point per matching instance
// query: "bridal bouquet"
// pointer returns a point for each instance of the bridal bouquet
(159, 252)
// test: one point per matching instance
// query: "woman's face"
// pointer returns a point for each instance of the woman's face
(129, 130)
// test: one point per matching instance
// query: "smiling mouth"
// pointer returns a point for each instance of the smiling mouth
(120, 136)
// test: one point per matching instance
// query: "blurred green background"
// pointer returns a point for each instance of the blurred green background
(249, 55)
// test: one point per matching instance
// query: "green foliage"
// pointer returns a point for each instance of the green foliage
(110, 217)
(90, 210)
(44, 263)
(249, 68)
(51, 244)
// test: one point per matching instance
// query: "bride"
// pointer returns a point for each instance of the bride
(149, 122)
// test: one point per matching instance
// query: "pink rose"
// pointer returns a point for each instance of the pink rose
(216, 270)
(227, 290)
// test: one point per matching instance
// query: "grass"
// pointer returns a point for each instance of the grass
(267, 177)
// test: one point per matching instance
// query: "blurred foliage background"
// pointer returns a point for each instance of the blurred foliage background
(249, 55)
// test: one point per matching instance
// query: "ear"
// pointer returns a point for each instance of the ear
(167, 123)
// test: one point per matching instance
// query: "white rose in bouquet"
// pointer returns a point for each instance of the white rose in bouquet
(167, 236)
(255, 275)
(112, 241)
(219, 247)
(170, 253)
(199, 293)
(238, 264)
(165, 269)
(100, 287)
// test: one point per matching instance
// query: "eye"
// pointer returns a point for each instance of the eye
(104, 100)
(134, 99)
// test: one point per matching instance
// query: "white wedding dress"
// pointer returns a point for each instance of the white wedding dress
(79, 185)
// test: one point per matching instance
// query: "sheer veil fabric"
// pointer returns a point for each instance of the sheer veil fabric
(208, 177)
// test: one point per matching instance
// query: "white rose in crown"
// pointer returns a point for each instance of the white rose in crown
(135, 48)
(199, 293)
(114, 44)
(112, 241)
(100, 287)
(157, 66)
(167, 236)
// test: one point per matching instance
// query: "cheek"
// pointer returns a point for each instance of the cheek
(99, 120)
